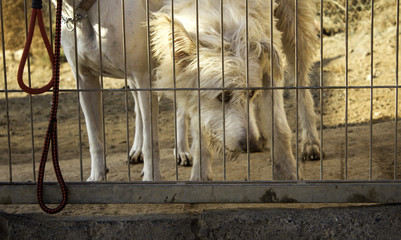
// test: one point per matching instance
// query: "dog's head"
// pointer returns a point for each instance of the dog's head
(246, 68)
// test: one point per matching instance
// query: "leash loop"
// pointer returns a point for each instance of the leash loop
(36, 14)
(51, 134)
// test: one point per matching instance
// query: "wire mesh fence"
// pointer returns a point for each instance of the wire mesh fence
(353, 84)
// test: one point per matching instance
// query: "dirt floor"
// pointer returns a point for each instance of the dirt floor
(364, 149)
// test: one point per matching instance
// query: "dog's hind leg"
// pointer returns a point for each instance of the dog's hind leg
(305, 45)
(184, 157)
(135, 154)
(92, 108)
(149, 108)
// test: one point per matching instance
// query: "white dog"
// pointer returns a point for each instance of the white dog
(211, 137)
(88, 58)
(286, 23)
(235, 64)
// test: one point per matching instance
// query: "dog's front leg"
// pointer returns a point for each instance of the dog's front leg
(91, 106)
(284, 164)
(184, 157)
(135, 154)
(284, 161)
(202, 156)
(149, 108)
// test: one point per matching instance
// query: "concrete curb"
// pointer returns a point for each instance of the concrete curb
(368, 222)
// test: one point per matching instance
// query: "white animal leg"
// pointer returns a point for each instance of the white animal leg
(150, 148)
(307, 39)
(284, 163)
(201, 156)
(135, 154)
(184, 157)
(91, 106)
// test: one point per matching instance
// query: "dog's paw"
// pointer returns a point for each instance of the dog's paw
(285, 176)
(95, 179)
(98, 177)
(198, 179)
(311, 152)
(150, 177)
(205, 177)
(136, 157)
(184, 159)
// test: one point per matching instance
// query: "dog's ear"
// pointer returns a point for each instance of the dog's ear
(269, 56)
(162, 38)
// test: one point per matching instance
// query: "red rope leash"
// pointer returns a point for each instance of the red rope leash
(36, 13)
(51, 134)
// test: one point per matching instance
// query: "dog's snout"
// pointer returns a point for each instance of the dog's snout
(254, 145)
(243, 145)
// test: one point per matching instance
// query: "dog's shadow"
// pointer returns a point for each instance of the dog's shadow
(315, 81)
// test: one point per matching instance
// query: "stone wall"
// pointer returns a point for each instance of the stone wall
(367, 222)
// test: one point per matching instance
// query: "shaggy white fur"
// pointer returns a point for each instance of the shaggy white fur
(249, 53)
(247, 62)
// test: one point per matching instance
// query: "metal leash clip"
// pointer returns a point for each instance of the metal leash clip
(69, 22)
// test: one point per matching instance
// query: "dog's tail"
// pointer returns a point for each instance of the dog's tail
(306, 38)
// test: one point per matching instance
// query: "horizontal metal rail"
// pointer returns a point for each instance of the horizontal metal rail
(217, 88)
(209, 192)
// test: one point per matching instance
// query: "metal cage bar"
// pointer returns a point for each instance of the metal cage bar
(151, 99)
(321, 83)
(126, 87)
(248, 156)
(30, 97)
(296, 90)
(396, 90)
(271, 85)
(223, 104)
(199, 87)
(78, 97)
(10, 171)
(333, 87)
(371, 91)
(346, 85)
(99, 29)
(174, 86)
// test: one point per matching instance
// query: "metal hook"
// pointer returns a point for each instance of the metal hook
(69, 24)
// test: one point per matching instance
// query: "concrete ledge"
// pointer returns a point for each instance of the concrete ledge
(368, 222)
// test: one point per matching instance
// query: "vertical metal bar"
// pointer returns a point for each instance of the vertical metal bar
(51, 22)
(150, 85)
(101, 84)
(126, 87)
(396, 91)
(371, 91)
(321, 89)
(175, 92)
(247, 86)
(271, 84)
(346, 85)
(175, 86)
(297, 85)
(223, 84)
(10, 172)
(199, 87)
(78, 97)
(30, 98)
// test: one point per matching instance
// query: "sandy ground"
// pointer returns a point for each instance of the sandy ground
(366, 148)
